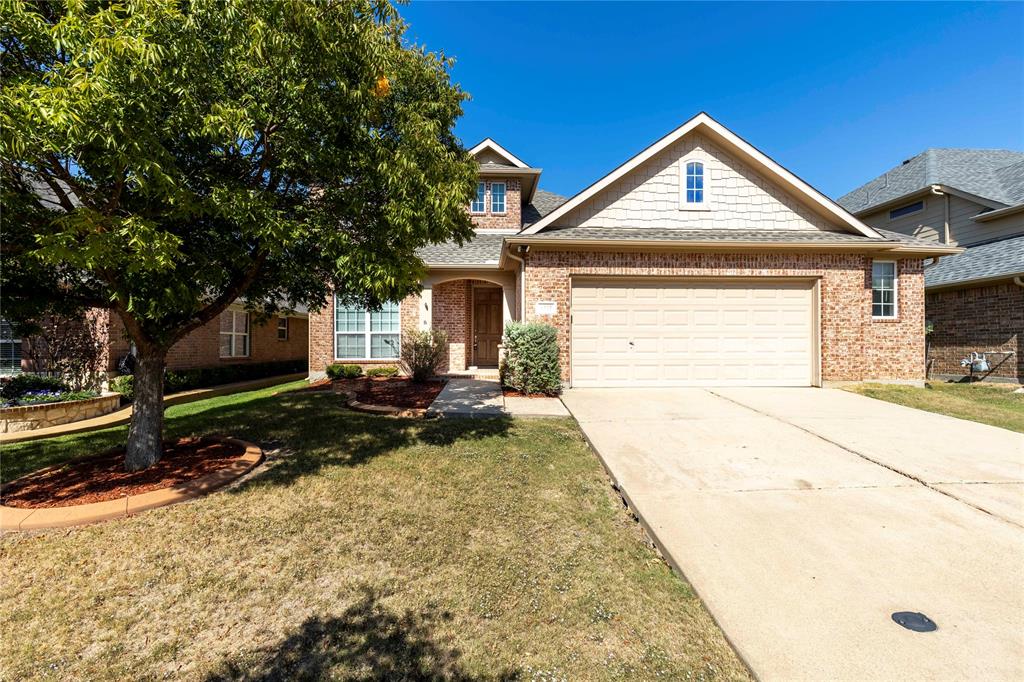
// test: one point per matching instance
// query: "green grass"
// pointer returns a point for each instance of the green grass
(994, 404)
(369, 548)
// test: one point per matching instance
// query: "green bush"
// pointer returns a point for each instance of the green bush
(382, 372)
(176, 381)
(423, 353)
(531, 362)
(44, 397)
(20, 384)
(125, 385)
(339, 371)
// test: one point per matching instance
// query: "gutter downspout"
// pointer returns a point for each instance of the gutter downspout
(520, 303)
(945, 229)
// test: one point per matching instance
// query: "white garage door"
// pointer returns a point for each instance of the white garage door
(637, 333)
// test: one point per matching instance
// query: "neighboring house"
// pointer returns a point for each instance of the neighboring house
(233, 338)
(699, 261)
(972, 198)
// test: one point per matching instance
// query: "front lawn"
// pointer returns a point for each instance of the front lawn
(370, 548)
(994, 404)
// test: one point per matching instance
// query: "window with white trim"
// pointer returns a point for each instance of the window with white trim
(497, 197)
(883, 289)
(282, 329)
(694, 183)
(10, 349)
(234, 334)
(361, 334)
(479, 203)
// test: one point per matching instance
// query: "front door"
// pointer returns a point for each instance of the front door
(486, 326)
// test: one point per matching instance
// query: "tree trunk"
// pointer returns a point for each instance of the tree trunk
(145, 435)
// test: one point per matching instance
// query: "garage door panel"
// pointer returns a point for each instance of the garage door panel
(714, 333)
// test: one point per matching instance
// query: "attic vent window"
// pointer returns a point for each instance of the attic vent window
(906, 210)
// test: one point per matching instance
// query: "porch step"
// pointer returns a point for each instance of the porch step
(479, 374)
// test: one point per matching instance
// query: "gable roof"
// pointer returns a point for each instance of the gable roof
(813, 197)
(488, 143)
(542, 203)
(995, 260)
(992, 175)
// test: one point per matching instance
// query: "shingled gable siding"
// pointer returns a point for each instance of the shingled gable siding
(512, 218)
(853, 346)
(738, 196)
(985, 318)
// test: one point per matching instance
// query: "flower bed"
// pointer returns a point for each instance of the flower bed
(43, 413)
(399, 392)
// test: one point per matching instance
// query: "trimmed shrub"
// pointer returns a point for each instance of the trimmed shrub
(339, 371)
(188, 379)
(386, 372)
(423, 353)
(20, 384)
(125, 385)
(531, 362)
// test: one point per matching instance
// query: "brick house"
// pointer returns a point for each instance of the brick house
(234, 338)
(699, 261)
(974, 301)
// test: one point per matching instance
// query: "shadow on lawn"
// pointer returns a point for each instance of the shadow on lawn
(314, 427)
(368, 641)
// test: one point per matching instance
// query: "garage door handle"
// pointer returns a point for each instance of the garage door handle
(630, 344)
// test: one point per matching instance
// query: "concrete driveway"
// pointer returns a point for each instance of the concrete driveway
(805, 517)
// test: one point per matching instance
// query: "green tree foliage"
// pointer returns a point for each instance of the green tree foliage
(531, 362)
(189, 153)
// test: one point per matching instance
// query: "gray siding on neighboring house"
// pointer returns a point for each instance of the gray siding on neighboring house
(963, 229)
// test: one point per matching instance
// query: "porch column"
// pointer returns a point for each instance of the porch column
(508, 303)
(426, 307)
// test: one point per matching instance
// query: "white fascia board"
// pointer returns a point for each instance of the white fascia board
(702, 119)
(488, 143)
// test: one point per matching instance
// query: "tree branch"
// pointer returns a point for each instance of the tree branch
(219, 304)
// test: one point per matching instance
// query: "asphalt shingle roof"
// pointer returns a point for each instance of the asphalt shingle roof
(1004, 258)
(483, 249)
(993, 174)
(711, 236)
(543, 202)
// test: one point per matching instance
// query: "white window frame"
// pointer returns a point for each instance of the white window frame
(504, 198)
(367, 335)
(14, 343)
(482, 197)
(684, 162)
(286, 328)
(235, 335)
(895, 290)
(923, 203)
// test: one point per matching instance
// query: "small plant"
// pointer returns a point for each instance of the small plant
(423, 353)
(531, 362)
(339, 371)
(21, 384)
(384, 372)
(125, 385)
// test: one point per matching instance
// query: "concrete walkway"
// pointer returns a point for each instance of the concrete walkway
(124, 415)
(484, 398)
(805, 517)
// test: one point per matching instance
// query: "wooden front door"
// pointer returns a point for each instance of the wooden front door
(487, 326)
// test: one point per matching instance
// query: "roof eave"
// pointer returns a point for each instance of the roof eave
(972, 282)
(925, 191)
(908, 250)
(998, 213)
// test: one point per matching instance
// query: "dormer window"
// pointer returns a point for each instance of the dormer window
(497, 197)
(695, 183)
(478, 204)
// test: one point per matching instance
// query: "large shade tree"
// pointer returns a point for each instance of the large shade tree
(164, 158)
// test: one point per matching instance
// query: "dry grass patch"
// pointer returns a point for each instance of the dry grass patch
(994, 404)
(370, 548)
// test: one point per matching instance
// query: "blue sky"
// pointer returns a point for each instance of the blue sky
(837, 93)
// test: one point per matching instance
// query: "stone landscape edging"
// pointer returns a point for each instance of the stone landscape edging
(20, 519)
(383, 410)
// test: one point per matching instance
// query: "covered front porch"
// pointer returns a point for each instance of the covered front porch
(471, 307)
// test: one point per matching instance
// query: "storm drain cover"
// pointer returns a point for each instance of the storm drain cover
(911, 620)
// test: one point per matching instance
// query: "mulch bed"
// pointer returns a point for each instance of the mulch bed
(394, 392)
(512, 393)
(102, 477)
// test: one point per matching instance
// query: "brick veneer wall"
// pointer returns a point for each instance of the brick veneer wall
(201, 348)
(853, 346)
(321, 335)
(451, 315)
(987, 318)
(512, 218)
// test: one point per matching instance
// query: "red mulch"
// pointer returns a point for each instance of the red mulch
(102, 477)
(395, 391)
(512, 393)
